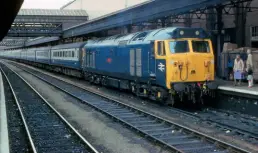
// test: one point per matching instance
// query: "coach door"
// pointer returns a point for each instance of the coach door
(136, 62)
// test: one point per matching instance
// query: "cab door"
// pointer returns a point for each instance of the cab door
(160, 64)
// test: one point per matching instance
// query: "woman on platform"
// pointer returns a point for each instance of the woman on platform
(249, 68)
(238, 70)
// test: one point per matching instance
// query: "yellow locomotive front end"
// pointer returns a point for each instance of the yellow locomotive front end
(190, 67)
(189, 60)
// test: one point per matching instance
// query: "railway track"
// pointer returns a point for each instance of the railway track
(18, 140)
(172, 135)
(243, 127)
(230, 123)
(46, 130)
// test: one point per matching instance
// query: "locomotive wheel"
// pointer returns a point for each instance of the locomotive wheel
(171, 100)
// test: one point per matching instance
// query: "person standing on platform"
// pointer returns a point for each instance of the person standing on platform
(238, 70)
(249, 68)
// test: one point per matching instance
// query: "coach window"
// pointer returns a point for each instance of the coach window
(161, 48)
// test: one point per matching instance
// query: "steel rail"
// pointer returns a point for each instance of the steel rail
(32, 145)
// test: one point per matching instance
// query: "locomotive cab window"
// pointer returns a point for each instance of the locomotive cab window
(201, 46)
(161, 48)
(178, 47)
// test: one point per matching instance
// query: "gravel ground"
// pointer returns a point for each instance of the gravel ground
(105, 134)
(158, 110)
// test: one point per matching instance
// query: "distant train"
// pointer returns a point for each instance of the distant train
(167, 65)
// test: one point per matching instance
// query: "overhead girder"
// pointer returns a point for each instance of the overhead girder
(35, 29)
(202, 14)
(207, 13)
(13, 42)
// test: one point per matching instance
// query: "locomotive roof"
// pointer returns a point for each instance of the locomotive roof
(148, 36)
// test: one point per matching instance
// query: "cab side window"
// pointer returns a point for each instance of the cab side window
(161, 48)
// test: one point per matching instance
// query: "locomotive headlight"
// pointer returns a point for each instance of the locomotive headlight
(182, 32)
(197, 33)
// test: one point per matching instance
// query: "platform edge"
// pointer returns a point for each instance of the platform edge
(4, 140)
(255, 93)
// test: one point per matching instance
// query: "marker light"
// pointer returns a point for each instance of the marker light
(181, 32)
(197, 33)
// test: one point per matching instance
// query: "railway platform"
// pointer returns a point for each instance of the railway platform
(243, 90)
(4, 140)
(237, 98)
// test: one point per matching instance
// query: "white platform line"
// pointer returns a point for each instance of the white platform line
(4, 141)
(243, 91)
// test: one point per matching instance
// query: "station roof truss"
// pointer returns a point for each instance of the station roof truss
(202, 13)
(168, 10)
(140, 13)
